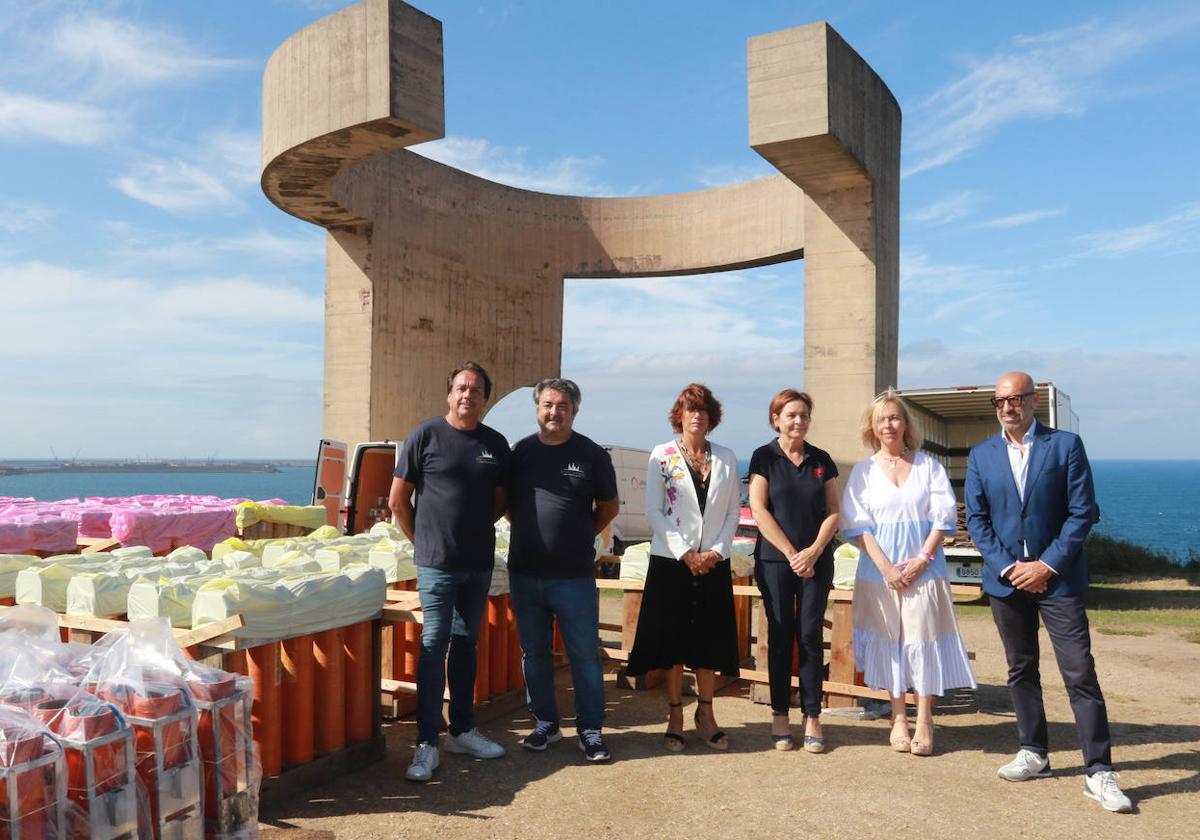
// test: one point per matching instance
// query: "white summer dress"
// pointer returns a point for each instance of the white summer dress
(904, 639)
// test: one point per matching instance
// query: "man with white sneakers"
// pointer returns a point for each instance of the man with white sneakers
(448, 492)
(1030, 505)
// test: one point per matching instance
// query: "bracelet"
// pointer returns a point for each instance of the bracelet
(927, 556)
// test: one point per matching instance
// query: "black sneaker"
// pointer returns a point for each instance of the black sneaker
(543, 735)
(593, 746)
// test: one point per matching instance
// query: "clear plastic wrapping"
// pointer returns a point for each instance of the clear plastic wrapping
(149, 743)
(195, 751)
(33, 799)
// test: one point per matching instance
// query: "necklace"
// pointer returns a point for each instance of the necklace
(891, 462)
(694, 459)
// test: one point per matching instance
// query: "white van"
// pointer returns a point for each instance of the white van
(354, 491)
(631, 525)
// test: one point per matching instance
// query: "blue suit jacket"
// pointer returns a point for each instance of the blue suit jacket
(1054, 520)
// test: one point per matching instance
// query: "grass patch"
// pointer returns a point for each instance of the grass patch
(1193, 637)
(1111, 630)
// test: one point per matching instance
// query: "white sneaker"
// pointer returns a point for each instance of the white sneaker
(1102, 787)
(473, 743)
(1027, 765)
(425, 761)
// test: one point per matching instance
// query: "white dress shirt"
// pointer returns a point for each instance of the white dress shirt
(1018, 462)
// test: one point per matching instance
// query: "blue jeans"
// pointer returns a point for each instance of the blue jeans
(536, 603)
(453, 604)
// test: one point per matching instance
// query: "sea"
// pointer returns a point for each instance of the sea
(1155, 504)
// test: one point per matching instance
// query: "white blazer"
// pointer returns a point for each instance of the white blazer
(674, 512)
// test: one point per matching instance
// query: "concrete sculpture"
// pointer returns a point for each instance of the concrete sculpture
(427, 265)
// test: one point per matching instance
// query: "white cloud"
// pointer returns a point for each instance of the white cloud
(1179, 231)
(131, 246)
(238, 152)
(1138, 424)
(1053, 74)
(949, 209)
(269, 246)
(177, 187)
(120, 53)
(229, 363)
(50, 308)
(24, 117)
(1018, 219)
(23, 218)
(568, 175)
(939, 295)
(213, 176)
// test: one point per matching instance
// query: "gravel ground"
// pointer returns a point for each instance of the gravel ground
(859, 788)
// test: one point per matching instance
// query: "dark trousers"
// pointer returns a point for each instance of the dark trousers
(795, 608)
(1067, 626)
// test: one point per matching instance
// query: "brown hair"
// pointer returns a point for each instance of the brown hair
(476, 368)
(695, 397)
(781, 399)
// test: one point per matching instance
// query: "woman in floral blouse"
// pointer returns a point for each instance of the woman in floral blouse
(687, 616)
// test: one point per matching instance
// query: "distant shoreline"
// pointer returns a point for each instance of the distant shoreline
(12, 468)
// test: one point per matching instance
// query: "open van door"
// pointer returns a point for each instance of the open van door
(330, 481)
(371, 469)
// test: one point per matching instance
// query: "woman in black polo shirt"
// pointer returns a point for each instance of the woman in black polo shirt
(794, 497)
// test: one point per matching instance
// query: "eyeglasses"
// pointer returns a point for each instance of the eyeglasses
(1013, 400)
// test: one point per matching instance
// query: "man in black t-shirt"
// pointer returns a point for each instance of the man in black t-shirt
(448, 492)
(563, 492)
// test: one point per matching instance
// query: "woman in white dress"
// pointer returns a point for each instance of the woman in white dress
(896, 508)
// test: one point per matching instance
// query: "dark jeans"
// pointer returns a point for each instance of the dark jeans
(795, 609)
(453, 604)
(537, 602)
(1067, 626)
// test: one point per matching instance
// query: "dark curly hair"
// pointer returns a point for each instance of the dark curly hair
(695, 397)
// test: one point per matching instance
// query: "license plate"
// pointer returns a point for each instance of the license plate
(968, 572)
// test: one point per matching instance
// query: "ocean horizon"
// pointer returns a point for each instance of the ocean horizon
(1152, 503)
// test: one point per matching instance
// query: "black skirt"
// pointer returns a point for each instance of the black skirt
(685, 620)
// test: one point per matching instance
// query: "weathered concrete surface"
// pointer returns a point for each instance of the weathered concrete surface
(428, 266)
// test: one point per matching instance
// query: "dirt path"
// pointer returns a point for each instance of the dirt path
(859, 789)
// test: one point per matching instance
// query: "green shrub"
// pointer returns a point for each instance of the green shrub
(1110, 556)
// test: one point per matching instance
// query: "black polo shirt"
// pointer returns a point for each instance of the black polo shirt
(795, 495)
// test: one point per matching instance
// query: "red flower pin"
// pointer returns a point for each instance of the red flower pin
(819, 471)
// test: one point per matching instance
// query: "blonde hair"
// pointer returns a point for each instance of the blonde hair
(866, 428)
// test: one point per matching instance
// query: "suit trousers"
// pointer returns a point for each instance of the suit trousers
(1066, 622)
(795, 610)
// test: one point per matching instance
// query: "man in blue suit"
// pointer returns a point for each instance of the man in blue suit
(1030, 506)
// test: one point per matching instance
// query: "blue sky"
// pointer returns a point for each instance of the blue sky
(154, 303)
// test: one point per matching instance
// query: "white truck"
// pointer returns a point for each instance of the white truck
(955, 419)
(354, 490)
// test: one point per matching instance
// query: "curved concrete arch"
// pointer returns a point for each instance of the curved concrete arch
(427, 265)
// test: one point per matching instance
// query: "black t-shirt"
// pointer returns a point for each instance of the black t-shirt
(456, 473)
(551, 496)
(795, 495)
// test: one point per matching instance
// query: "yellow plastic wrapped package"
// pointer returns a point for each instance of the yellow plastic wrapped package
(305, 516)
(102, 594)
(293, 604)
(10, 565)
